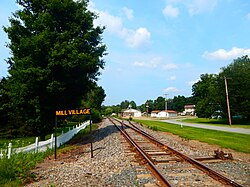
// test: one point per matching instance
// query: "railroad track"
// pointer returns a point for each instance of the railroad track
(170, 167)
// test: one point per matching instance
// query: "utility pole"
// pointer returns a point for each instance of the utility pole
(147, 108)
(228, 107)
(166, 104)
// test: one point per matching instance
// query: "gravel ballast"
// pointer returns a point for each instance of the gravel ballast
(114, 164)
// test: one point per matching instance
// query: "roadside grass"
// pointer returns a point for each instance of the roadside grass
(236, 123)
(235, 141)
(15, 172)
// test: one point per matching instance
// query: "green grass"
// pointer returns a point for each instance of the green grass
(235, 141)
(15, 171)
(219, 122)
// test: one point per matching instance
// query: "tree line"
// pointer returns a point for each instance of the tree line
(177, 104)
(56, 57)
(208, 94)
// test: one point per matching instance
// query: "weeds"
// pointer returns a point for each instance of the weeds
(154, 128)
(15, 171)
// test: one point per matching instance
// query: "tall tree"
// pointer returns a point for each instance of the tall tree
(205, 96)
(159, 103)
(179, 103)
(124, 104)
(56, 57)
(237, 75)
(133, 104)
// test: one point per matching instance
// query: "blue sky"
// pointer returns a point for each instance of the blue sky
(160, 47)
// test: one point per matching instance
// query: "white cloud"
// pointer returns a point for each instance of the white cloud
(170, 11)
(133, 38)
(128, 12)
(172, 78)
(91, 5)
(170, 66)
(248, 16)
(222, 54)
(138, 37)
(200, 6)
(190, 83)
(113, 24)
(153, 63)
(171, 90)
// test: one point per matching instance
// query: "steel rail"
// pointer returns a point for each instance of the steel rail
(155, 170)
(217, 176)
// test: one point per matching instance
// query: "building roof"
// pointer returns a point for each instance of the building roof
(169, 111)
(130, 111)
(189, 106)
(155, 111)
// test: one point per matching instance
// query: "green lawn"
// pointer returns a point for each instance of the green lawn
(235, 141)
(219, 122)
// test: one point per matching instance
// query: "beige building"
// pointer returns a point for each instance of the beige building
(131, 113)
(164, 113)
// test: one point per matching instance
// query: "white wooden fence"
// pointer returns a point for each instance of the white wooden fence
(44, 145)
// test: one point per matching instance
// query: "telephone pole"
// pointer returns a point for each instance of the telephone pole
(228, 107)
(166, 104)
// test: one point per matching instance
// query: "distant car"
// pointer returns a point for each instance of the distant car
(216, 116)
(219, 117)
(237, 117)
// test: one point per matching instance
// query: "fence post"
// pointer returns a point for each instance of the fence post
(52, 138)
(36, 144)
(9, 150)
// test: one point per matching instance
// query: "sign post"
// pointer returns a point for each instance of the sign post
(55, 135)
(85, 111)
(91, 138)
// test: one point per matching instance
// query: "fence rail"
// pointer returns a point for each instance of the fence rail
(44, 145)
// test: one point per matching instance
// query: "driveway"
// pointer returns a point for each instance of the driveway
(218, 128)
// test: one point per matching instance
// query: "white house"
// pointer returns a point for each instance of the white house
(154, 113)
(167, 114)
(131, 113)
(189, 110)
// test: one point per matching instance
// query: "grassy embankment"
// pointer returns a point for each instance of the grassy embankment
(235, 141)
(236, 123)
(14, 172)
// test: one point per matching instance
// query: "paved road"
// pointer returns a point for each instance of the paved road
(219, 128)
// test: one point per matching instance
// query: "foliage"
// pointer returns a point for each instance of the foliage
(238, 75)
(125, 104)
(56, 57)
(94, 100)
(205, 96)
(178, 103)
(159, 103)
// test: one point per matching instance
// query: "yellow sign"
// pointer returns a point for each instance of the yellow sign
(85, 111)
